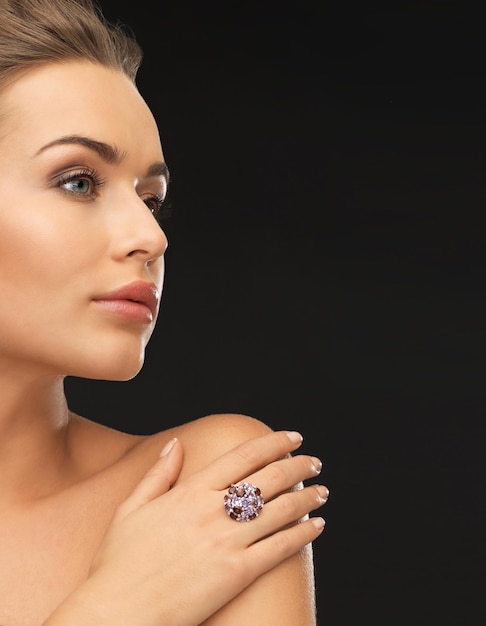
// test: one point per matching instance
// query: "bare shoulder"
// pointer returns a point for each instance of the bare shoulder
(209, 437)
(221, 431)
(206, 438)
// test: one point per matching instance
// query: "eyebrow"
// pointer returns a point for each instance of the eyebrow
(110, 154)
(158, 169)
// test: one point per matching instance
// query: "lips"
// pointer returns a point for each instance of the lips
(138, 300)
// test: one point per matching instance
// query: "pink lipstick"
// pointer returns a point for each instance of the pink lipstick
(137, 301)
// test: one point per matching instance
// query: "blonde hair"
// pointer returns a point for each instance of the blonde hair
(35, 32)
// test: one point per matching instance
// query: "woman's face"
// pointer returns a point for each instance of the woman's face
(81, 171)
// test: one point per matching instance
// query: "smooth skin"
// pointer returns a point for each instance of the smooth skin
(96, 527)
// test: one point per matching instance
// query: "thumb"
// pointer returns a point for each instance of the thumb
(156, 481)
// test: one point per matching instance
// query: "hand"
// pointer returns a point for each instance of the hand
(175, 557)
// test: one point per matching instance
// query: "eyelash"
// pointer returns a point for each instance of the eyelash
(90, 175)
(163, 206)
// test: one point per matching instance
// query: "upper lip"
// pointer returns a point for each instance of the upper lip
(138, 291)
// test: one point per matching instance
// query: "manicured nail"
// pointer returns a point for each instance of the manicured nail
(168, 447)
(317, 463)
(323, 492)
(294, 436)
(318, 522)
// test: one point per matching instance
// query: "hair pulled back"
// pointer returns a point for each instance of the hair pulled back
(35, 32)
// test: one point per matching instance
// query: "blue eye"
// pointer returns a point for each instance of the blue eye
(83, 183)
(81, 186)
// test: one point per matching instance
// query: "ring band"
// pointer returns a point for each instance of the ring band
(243, 502)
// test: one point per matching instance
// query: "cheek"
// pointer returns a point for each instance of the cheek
(21, 248)
(45, 265)
(40, 256)
(39, 240)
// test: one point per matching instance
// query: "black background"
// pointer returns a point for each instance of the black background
(325, 273)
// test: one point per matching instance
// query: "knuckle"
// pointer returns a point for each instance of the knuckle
(236, 566)
(222, 539)
(247, 451)
(282, 543)
(277, 472)
(153, 474)
(288, 506)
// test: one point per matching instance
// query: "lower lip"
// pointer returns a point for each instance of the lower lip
(127, 309)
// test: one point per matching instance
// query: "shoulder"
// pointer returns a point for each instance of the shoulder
(209, 437)
(222, 429)
(104, 450)
(206, 438)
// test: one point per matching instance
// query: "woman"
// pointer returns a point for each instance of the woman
(100, 526)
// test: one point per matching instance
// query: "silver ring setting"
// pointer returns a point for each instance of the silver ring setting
(243, 502)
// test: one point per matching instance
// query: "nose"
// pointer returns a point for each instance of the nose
(138, 234)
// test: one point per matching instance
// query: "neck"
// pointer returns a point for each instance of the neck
(33, 435)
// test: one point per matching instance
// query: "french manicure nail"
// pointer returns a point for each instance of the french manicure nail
(294, 436)
(318, 522)
(168, 447)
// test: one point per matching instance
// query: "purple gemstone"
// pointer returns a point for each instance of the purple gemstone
(243, 502)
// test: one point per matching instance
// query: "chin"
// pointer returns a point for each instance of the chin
(112, 367)
(124, 376)
(124, 371)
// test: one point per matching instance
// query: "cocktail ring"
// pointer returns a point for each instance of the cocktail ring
(243, 502)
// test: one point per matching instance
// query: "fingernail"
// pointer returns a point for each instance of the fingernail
(318, 522)
(168, 447)
(294, 436)
(317, 463)
(323, 492)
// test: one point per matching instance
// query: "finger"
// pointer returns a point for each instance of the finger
(286, 509)
(250, 456)
(156, 481)
(271, 551)
(285, 474)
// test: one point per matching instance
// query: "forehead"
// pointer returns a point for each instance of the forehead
(77, 98)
